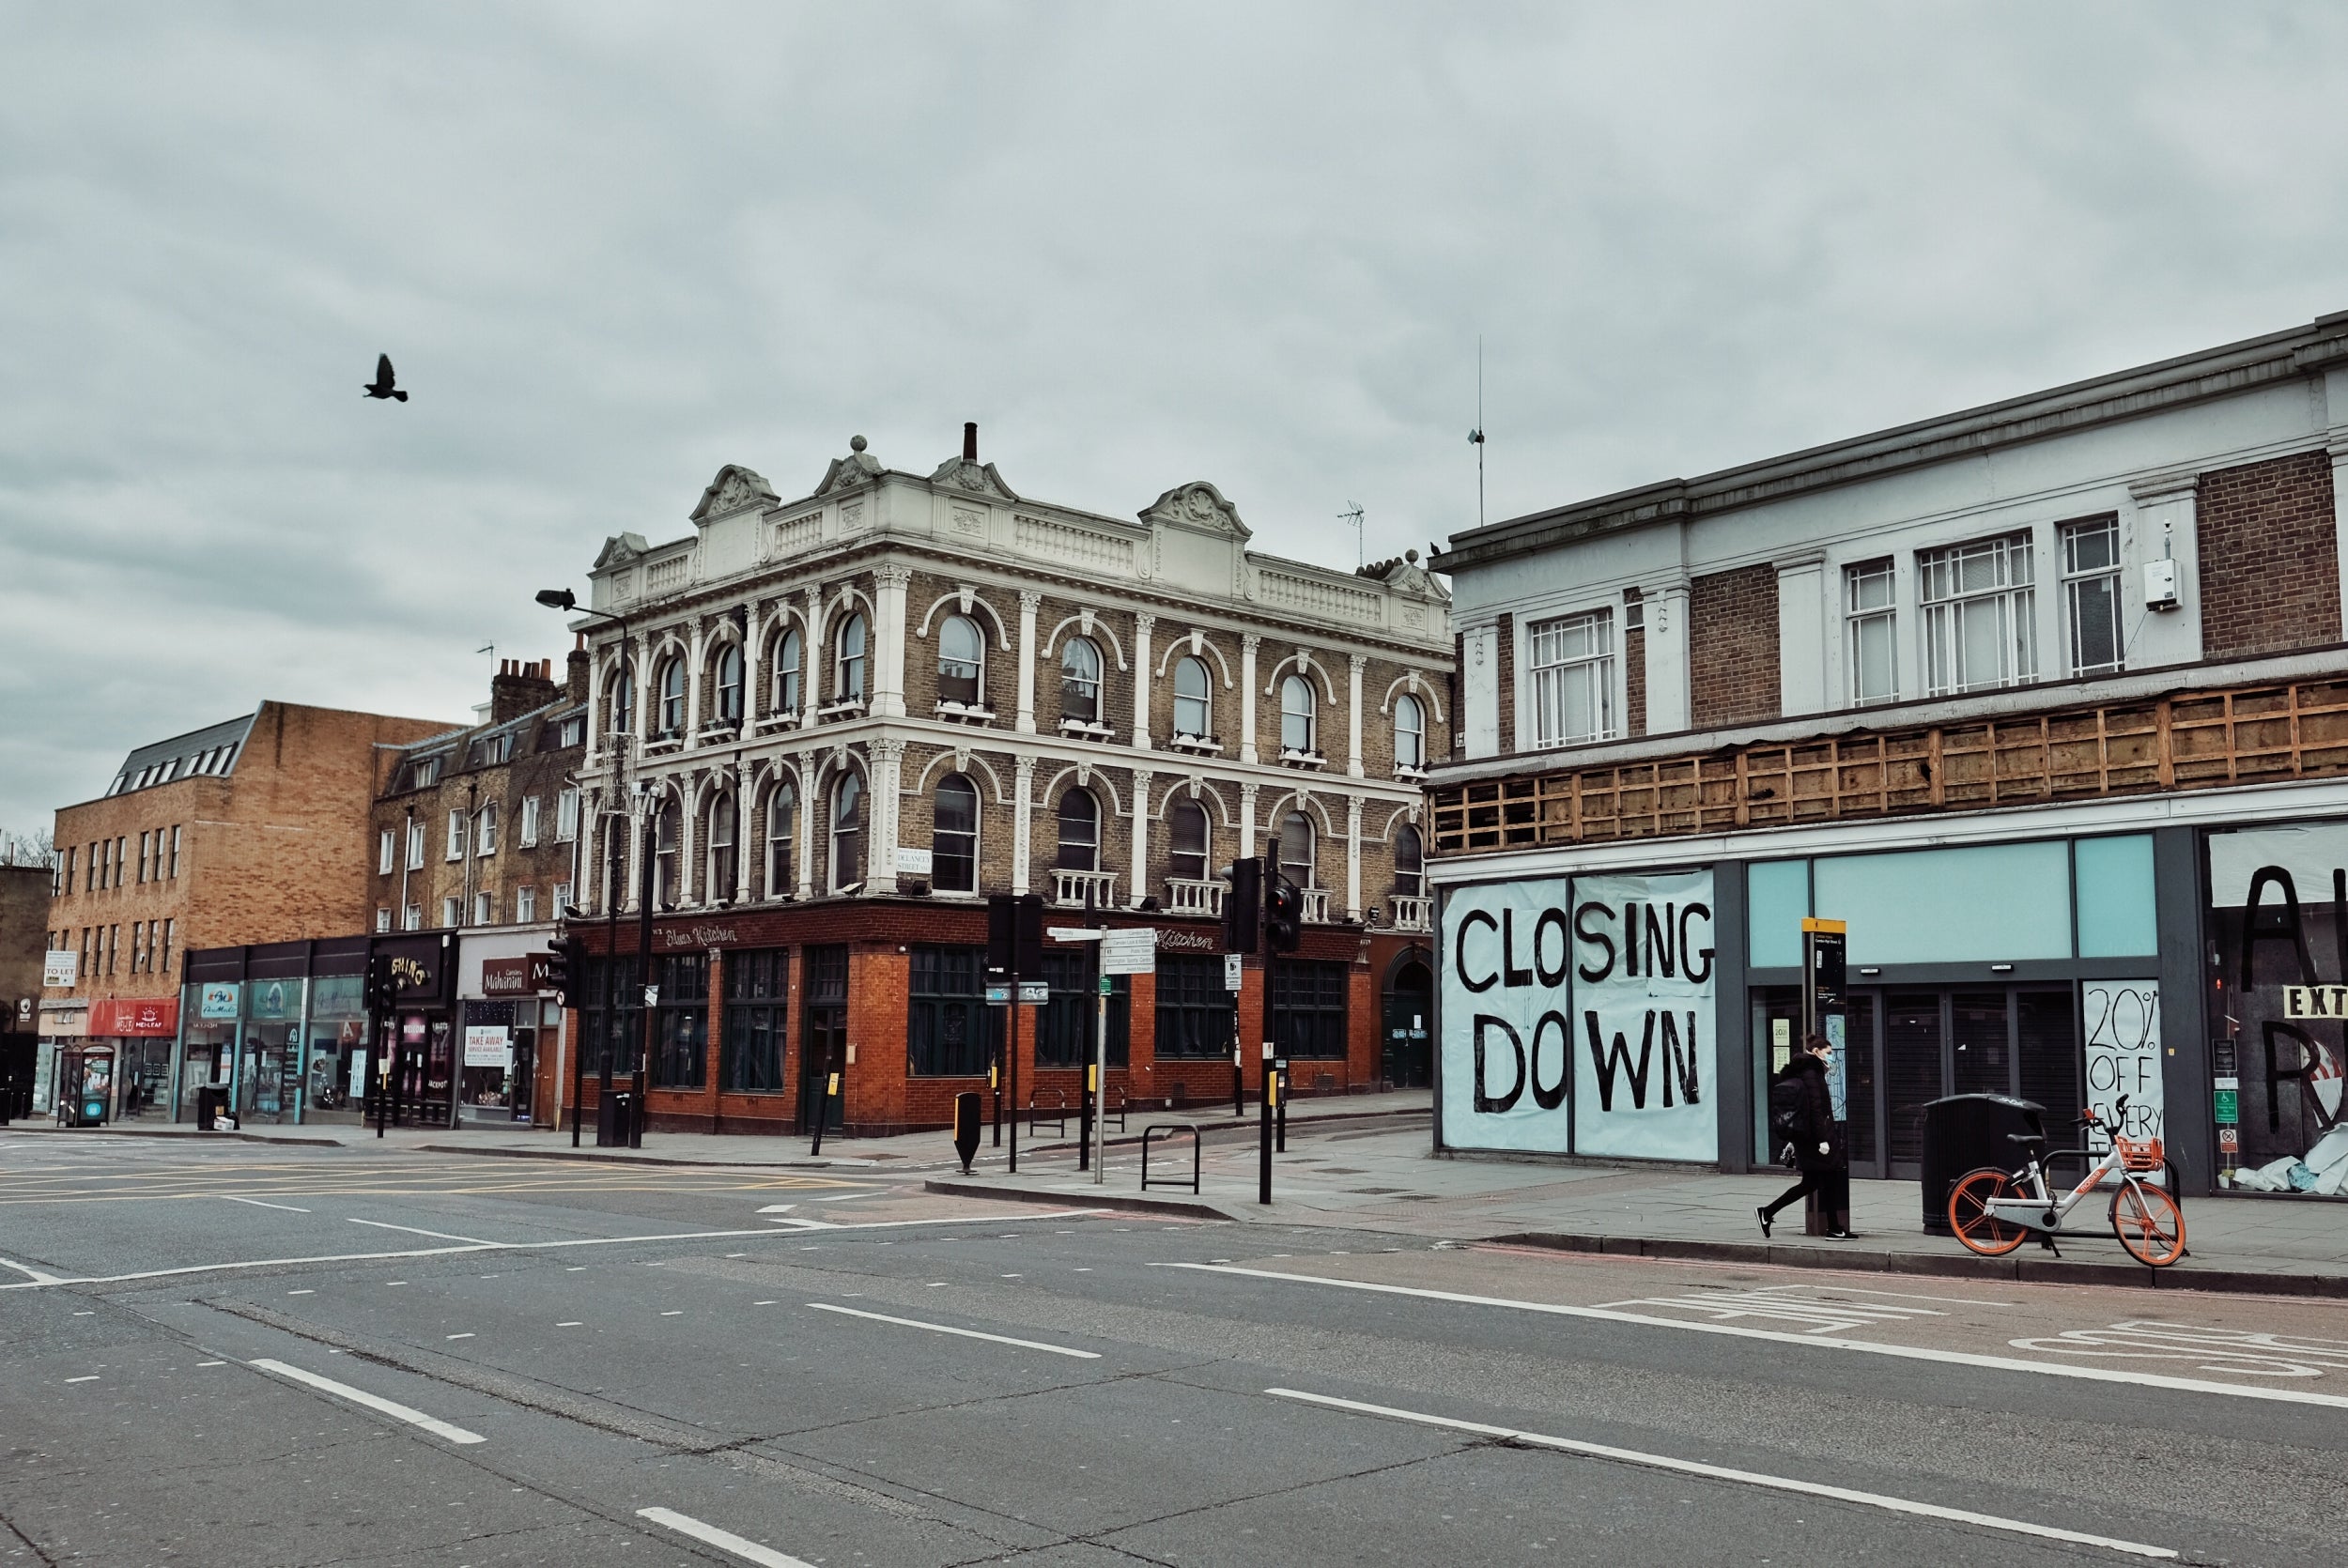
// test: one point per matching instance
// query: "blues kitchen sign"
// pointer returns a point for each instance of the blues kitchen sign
(1578, 1015)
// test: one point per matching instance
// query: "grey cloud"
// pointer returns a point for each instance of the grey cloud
(612, 248)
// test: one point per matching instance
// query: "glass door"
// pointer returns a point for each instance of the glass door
(1912, 1076)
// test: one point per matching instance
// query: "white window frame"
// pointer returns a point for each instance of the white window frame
(1944, 608)
(1299, 680)
(715, 887)
(413, 918)
(562, 899)
(950, 666)
(2078, 581)
(782, 798)
(456, 836)
(452, 912)
(485, 836)
(525, 905)
(1418, 732)
(1859, 618)
(386, 851)
(1204, 700)
(1548, 685)
(415, 844)
(382, 917)
(794, 673)
(484, 908)
(726, 695)
(530, 821)
(566, 817)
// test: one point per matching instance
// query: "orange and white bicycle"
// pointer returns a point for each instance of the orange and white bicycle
(1994, 1211)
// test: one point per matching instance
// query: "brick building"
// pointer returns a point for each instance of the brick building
(837, 723)
(2047, 701)
(253, 830)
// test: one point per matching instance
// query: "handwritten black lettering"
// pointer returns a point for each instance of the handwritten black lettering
(1608, 1061)
(1598, 938)
(1550, 1096)
(1485, 1103)
(1458, 953)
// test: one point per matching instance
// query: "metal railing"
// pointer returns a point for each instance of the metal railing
(1171, 1130)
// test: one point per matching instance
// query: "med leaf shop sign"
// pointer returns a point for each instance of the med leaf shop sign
(1577, 1017)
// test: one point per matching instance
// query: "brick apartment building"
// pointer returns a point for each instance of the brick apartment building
(837, 723)
(2047, 701)
(253, 830)
(23, 938)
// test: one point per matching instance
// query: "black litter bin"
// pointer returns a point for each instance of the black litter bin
(209, 1105)
(1963, 1133)
(613, 1120)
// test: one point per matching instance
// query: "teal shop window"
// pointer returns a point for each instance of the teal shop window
(2115, 884)
(1777, 896)
(1980, 904)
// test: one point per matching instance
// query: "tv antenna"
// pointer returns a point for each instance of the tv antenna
(1353, 513)
(1476, 437)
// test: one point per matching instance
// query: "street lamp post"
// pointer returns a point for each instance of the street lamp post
(567, 602)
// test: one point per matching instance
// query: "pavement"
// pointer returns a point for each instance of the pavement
(218, 1353)
(1364, 1162)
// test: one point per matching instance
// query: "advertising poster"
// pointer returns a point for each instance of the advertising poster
(1578, 1014)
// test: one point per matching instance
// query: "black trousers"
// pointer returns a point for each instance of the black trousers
(1832, 1187)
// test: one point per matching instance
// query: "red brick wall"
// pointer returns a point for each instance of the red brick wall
(1505, 641)
(1732, 646)
(2270, 572)
(1634, 669)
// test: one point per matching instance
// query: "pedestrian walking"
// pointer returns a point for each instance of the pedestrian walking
(1820, 1150)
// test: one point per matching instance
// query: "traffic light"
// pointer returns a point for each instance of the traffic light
(1243, 908)
(1283, 914)
(1015, 936)
(383, 989)
(566, 966)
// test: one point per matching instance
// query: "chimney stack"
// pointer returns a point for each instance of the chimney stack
(971, 440)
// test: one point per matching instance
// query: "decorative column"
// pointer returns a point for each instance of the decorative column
(1354, 717)
(888, 636)
(592, 758)
(1248, 811)
(2167, 527)
(693, 682)
(1142, 624)
(639, 664)
(1141, 834)
(1247, 645)
(1354, 840)
(1022, 806)
(804, 829)
(886, 756)
(742, 825)
(637, 827)
(813, 680)
(1030, 602)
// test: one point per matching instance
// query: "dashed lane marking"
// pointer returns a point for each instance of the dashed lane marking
(961, 1333)
(724, 1540)
(374, 1402)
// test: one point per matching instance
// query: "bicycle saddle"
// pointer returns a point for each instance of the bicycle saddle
(2025, 1138)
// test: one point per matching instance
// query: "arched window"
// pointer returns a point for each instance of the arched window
(722, 851)
(615, 834)
(848, 668)
(1194, 710)
(669, 706)
(1296, 714)
(1080, 680)
(1186, 830)
(1296, 848)
(961, 661)
(954, 837)
(1410, 862)
(1410, 733)
(729, 710)
(785, 696)
(667, 836)
(1079, 832)
(847, 827)
(781, 826)
(620, 703)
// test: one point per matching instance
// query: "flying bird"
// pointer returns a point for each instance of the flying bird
(382, 386)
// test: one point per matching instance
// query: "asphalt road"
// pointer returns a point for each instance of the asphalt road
(226, 1355)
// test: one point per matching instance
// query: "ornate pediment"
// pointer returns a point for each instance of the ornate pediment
(1198, 505)
(846, 472)
(967, 473)
(735, 489)
(1404, 574)
(621, 548)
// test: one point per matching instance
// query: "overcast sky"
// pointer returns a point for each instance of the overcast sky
(613, 247)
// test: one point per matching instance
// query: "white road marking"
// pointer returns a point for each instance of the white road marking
(2243, 1352)
(48, 1282)
(436, 1235)
(374, 1402)
(211, 1363)
(302, 1293)
(779, 1208)
(91, 1378)
(467, 1335)
(1722, 1305)
(1745, 1478)
(1868, 1347)
(36, 1276)
(676, 1313)
(964, 1334)
(574, 1323)
(724, 1540)
(844, 1197)
(258, 1204)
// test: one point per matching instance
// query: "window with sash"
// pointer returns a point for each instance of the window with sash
(1064, 1030)
(1307, 1020)
(1980, 615)
(947, 1018)
(2091, 594)
(1869, 625)
(1193, 1011)
(758, 994)
(1571, 662)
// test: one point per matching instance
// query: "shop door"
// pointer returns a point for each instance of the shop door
(2010, 1041)
(1912, 1076)
(1408, 1042)
(824, 1034)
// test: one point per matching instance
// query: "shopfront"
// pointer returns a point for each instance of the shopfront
(279, 1029)
(1639, 1012)
(508, 1017)
(141, 1033)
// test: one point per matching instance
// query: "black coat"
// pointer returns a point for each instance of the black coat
(1818, 1125)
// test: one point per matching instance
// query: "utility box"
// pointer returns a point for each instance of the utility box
(2160, 585)
(1963, 1133)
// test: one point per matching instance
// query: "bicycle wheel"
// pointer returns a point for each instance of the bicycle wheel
(2147, 1223)
(1975, 1223)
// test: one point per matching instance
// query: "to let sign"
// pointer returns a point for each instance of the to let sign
(60, 966)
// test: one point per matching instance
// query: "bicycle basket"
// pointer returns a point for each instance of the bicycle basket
(2141, 1154)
